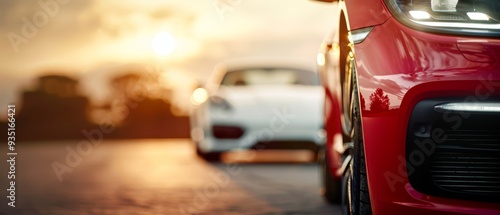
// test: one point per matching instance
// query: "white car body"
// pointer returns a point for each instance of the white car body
(281, 114)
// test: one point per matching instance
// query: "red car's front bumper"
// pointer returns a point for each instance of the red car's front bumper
(409, 66)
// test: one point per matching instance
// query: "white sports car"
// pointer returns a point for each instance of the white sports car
(254, 106)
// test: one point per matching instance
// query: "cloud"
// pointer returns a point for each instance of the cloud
(81, 30)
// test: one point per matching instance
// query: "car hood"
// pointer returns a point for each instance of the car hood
(261, 103)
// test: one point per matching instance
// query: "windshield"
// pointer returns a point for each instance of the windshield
(270, 76)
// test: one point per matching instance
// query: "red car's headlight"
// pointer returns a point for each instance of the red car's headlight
(465, 17)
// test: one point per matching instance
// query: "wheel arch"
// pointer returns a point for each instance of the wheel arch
(334, 147)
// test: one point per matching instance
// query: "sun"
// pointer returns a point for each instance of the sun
(163, 43)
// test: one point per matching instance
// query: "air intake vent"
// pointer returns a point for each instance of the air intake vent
(465, 162)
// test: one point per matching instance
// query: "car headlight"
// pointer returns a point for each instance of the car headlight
(464, 17)
(199, 96)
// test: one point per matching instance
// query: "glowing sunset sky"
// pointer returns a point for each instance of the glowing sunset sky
(87, 39)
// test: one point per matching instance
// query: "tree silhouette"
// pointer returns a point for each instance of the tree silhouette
(141, 108)
(138, 86)
(379, 101)
(52, 108)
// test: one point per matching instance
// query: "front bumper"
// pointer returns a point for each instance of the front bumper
(265, 138)
(410, 66)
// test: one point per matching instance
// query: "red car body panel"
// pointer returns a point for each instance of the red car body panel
(373, 13)
(408, 66)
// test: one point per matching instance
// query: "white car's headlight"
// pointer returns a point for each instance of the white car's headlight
(199, 96)
(464, 17)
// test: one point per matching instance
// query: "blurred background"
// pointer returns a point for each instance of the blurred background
(126, 69)
(69, 65)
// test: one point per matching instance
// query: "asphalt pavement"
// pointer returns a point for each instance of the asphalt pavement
(157, 177)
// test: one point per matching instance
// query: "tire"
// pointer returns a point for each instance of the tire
(331, 189)
(346, 186)
(317, 155)
(358, 196)
(209, 156)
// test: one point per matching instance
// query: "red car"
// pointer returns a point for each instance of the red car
(412, 107)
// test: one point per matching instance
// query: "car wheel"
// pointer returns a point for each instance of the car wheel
(317, 155)
(209, 156)
(330, 186)
(346, 187)
(356, 193)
